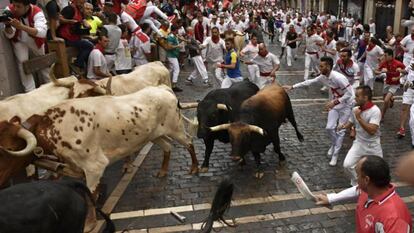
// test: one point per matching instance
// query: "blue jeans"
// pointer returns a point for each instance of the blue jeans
(84, 49)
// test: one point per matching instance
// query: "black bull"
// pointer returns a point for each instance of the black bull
(257, 124)
(46, 207)
(219, 107)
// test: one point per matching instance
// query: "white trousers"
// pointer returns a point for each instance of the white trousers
(146, 18)
(357, 151)
(291, 53)
(337, 117)
(21, 51)
(253, 72)
(139, 62)
(227, 82)
(129, 21)
(369, 77)
(110, 62)
(199, 69)
(263, 81)
(348, 33)
(174, 68)
(407, 61)
(311, 63)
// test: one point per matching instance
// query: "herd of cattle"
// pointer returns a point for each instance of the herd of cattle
(88, 125)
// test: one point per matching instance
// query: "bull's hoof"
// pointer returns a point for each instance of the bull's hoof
(194, 170)
(235, 158)
(241, 162)
(161, 173)
(203, 169)
(282, 163)
(259, 175)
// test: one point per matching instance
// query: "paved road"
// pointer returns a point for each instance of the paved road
(271, 204)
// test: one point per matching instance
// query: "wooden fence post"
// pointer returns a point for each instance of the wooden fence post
(62, 63)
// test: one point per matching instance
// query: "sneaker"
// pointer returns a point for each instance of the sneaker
(324, 88)
(206, 83)
(334, 160)
(401, 133)
(330, 151)
(177, 89)
(189, 81)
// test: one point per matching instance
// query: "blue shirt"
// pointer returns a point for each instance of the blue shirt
(231, 58)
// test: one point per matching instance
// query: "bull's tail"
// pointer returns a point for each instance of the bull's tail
(86, 193)
(291, 117)
(221, 203)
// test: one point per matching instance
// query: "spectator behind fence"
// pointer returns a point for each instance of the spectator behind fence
(123, 61)
(53, 13)
(114, 35)
(27, 30)
(97, 67)
(93, 22)
(70, 30)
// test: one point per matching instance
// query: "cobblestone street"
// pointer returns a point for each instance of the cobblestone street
(271, 204)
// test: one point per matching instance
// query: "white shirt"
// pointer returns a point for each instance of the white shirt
(373, 57)
(214, 50)
(250, 51)
(331, 46)
(266, 64)
(96, 59)
(372, 28)
(311, 41)
(408, 43)
(350, 72)
(40, 24)
(123, 60)
(371, 116)
(349, 22)
(140, 47)
(222, 27)
(300, 26)
(340, 88)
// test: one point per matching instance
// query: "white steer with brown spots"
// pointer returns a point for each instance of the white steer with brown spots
(90, 133)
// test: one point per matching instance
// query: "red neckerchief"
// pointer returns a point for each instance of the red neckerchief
(215, 39)
(100, 48)
(366, 106)
(343, 65)
(370, 47)
(267, 52)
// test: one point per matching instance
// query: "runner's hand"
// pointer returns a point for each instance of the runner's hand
(322, 199)
(287, 87)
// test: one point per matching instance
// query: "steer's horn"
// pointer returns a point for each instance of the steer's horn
(57, 82)
(100, 90)
(108, 86)
(256, 129)
(222, 107)
(220, 127)
(31, 143)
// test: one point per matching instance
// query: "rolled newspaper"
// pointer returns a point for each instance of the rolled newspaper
(302, 187)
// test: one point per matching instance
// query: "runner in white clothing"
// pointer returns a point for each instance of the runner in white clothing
(366, 118)
(339, 106)
(215, 47)
(349, 23)
(313, 44)
(373, 55)
(248, 53)
(407, 44)
(268, 64)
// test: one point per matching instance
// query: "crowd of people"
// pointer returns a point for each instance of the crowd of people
(346, 56)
